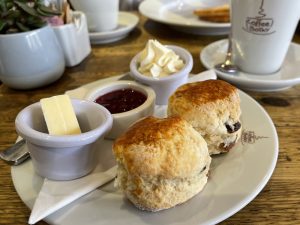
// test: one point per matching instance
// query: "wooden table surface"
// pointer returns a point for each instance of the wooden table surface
(278, 203)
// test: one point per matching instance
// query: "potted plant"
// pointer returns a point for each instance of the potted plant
(30, 55)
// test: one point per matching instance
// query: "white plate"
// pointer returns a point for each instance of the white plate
(126, 23)
(235, 179)
(288, 75)
(179, 14)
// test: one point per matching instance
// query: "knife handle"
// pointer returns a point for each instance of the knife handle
(15, 154)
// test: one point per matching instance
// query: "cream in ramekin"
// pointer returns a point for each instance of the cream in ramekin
(164, 86)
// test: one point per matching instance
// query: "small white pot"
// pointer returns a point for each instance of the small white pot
(30, 59)
(122, 121)
(164, 87)
(64, 157)
(74, 39)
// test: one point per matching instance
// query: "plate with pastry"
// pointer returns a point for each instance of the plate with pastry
(190, 16)
(194, 161)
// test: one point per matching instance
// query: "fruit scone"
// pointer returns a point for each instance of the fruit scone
(212, 107)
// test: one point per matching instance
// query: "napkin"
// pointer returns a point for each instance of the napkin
(206, 75)
(57, 194)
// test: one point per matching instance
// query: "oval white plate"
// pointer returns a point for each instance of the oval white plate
(235, 179)
(126, 23)
(179, 14)
(288, 76)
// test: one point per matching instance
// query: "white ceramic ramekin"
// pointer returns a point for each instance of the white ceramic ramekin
(64, 157)
(121, 121)
(165, 86)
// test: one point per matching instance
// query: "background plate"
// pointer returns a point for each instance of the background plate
(179, 15)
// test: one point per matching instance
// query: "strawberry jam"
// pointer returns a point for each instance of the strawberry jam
(122, 100)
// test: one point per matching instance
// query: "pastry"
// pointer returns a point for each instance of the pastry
(212, 107)
(214, 14)
(161, 163)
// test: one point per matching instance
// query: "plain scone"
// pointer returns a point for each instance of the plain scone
(219, 13)
(212, 107)
(161, 163)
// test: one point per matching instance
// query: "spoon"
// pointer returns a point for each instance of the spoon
(227, 66)
(15, 154)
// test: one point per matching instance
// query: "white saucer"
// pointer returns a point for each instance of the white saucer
(126, 23)
(288, 75)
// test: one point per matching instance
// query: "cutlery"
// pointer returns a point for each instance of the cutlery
(227, 66)
(15, 154)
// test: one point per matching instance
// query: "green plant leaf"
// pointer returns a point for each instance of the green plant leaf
(41, 13)
(13, 14)
(3, 6)
(22, 27)
(34, 20)
(9, 5)
(23, 15)
(4, 14)
(10, 22)
(31, 19)
(3, 24)
(48, 10)
(26, 8)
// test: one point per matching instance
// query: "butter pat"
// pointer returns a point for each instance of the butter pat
(59, 115)
(156, 60)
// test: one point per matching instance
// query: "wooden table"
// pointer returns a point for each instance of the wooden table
(278, 203)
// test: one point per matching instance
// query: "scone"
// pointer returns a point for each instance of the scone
(218, 14)
(212, 107)
(161, 163)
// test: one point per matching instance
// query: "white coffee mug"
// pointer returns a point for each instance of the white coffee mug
(261, 33)
(102, 15)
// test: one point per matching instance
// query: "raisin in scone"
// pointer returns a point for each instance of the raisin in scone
(161, 163)
(212, 107)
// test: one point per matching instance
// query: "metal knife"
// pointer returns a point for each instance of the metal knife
(15, 154)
